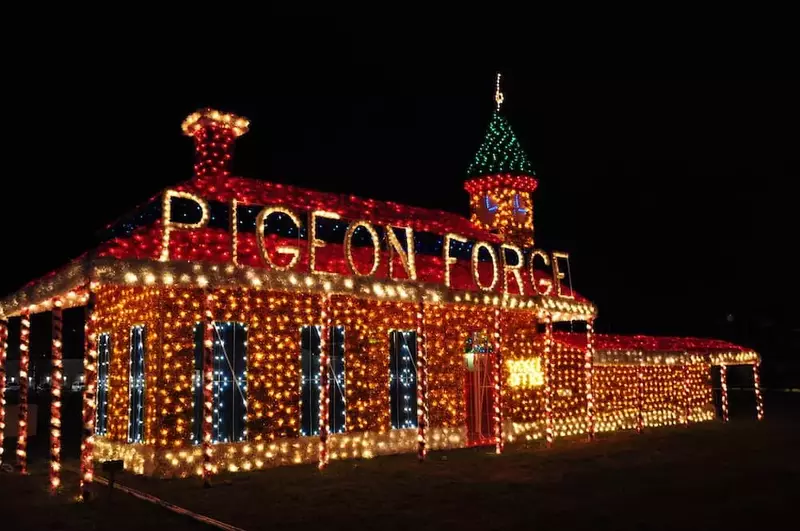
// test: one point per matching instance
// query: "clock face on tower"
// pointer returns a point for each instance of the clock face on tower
(486, 209)
(505, 211)
(521, 208)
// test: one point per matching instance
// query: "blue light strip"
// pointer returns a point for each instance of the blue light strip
(229, 421)
(403, 379)
(101, 412)
(136, 386)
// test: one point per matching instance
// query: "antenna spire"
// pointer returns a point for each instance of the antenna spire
(498, 95)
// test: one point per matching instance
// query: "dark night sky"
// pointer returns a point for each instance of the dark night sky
(676, 199)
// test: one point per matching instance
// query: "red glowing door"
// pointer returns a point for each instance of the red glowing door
(479, 391)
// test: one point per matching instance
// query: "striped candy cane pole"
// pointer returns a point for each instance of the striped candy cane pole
(3, 351)
(56, 380)
(233, 223)
(723, 383)
(686, 390)
(498, 398)
(324, 368)
(208, 387)
(422, 387)
(89, 397)
(24, 362)
(589, 376)
(640, 394)
(759, 398)
(548, 369)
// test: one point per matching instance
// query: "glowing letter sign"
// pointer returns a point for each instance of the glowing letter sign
(525, 373)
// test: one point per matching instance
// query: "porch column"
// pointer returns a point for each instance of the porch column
(723, 384)
(757, 388)
(548, 390)
(56, 380)
(498, 390)
(208, 386)
(686, 393)
(24, 362)
(589, 377)
(3, 351)
(89, 397)
(422, 386)
(324, 370)
(640, 394)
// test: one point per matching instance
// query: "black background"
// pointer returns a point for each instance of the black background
(675, 199)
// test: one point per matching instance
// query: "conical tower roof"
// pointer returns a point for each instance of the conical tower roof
(500, 161)
(500, 152)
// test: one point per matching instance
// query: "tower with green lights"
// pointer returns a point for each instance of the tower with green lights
(501, 182)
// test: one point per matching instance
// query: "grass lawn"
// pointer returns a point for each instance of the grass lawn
(743, 475)
(26, 504)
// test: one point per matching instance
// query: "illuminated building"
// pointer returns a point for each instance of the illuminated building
(237, 324)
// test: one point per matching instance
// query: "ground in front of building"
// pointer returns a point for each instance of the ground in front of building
(742, 475)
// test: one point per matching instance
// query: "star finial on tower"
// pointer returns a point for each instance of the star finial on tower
(498, 96)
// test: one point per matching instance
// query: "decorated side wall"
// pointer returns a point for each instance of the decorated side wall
(559, 387)
(533, 381)
(618, 393)
(669, 393)
(119, 309)
(274, 321)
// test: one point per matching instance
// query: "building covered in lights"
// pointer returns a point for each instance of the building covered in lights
(237, 324)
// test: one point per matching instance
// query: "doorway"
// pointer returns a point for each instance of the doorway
(479, 390)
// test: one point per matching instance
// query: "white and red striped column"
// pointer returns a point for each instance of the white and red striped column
(89, 397)
(548, 377)
(422, 386)
(686, 390)
(640, 394)
(498, 391)
(56, 381)
(3, 354)
(324, 370)
(589, 377)
(24, 363)
(757, 388)
(723, 384)
(208, 387)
